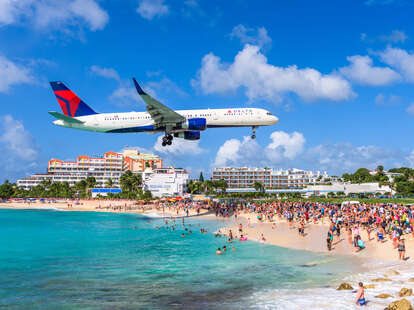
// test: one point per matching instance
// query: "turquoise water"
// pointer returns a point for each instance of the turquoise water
(90, 260)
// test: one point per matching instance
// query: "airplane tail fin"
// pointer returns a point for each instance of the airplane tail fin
(71, 105)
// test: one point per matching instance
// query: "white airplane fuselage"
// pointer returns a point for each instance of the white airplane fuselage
(142, 121)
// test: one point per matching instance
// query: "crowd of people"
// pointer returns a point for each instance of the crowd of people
(378, 221)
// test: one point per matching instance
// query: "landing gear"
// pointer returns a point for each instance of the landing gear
(167, 140)
(254, 132)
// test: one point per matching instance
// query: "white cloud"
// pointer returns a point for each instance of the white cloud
(149, 9)
(179, 147)
(91, 12)
(400, 59)
(387, 100)
(286, 145)
(396, 36)
(16, 140)
(410, 109)
(125, 95)
(165, 85)
(345, 157)
(54, 14)
(282, 148)
(11, 73)
(108, 73)
(262, 80)
(235, 151)
(362, 71)
(250, 36)
(410, 159)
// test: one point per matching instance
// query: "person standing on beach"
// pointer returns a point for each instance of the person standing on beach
(401, 249)
(360, 300)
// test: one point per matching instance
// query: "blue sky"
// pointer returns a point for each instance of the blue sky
(338, 74)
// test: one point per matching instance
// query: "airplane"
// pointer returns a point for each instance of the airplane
(185, 124)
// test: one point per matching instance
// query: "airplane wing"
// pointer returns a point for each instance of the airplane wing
(65, 118)
(162, 115)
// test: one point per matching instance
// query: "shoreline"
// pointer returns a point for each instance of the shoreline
(315, 239)
(127, 207)
(379, 274)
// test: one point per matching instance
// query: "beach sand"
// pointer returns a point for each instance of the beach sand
(114, 206)
(315, 239)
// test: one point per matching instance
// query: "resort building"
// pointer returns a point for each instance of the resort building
(166, 182)
(108, 167)
(244, 177)
(107, 170)
(138, 162)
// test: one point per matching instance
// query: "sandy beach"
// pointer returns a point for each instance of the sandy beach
(315, 239)
(114, 206)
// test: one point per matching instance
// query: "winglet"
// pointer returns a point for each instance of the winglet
(139, 89)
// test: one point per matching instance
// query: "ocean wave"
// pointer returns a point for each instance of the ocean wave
(330, 298)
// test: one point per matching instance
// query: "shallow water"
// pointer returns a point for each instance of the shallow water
(91, 260)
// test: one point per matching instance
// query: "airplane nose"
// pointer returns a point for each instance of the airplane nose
(274, 119)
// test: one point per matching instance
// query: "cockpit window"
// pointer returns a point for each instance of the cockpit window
(268, 113)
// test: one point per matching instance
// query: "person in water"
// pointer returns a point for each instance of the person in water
(218, 252)
(224, 248)
(360, 299)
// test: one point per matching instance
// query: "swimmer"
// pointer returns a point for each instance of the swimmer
(360, 300)
(182, 236)
(224, 248)
(218, 252)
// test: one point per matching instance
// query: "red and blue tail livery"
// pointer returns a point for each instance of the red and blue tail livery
(70, 104)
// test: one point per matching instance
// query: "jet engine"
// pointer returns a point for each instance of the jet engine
(188, 135)
(198, 124)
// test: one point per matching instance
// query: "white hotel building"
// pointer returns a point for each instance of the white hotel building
(110, 166)
(244, 177)
(165, 182)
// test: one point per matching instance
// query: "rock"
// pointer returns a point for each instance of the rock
(381, 280)
(411, 280)
(383, 296)
(405, 292)
(345, 286)
(393, 273)
(369, 286)
(402, 304)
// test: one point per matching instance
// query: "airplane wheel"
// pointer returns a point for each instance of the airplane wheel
(253, 136)
(169, 142)
(164, 143)
(169, 138)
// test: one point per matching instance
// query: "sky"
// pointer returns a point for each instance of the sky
(338, 74)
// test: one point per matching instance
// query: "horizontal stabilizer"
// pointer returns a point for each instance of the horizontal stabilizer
(65, 118)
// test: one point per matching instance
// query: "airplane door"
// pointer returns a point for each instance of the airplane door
(95, 122)
(215, 116)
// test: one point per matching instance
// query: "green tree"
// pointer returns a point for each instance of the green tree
(201, 178)
(109, 183)
(6, 190)
(259, 187)
(130, 182)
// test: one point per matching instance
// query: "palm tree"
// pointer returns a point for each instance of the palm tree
(109, 183)
(259, 187)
